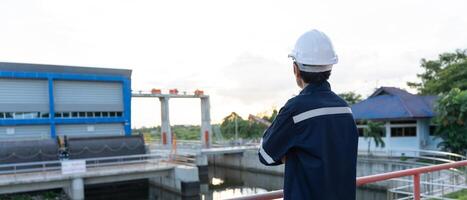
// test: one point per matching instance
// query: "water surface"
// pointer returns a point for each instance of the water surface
(223, 183)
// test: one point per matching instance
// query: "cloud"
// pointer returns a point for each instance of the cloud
(252, 78)
(238, 59)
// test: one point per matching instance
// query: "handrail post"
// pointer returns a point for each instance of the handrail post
(416, 186)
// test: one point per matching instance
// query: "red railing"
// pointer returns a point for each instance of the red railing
(415, 172)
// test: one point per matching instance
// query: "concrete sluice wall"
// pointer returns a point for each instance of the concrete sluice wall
(248, 160)
(28, 151)
(108, 146)
(78, 148)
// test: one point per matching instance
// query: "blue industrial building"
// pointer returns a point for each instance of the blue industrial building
(46, 101)
(406, 117)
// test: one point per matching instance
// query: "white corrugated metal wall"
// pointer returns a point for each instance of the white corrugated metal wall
(24, 95)
(31, 95)
(24, 99)
(90, 129)
(29, 132)
(88, 96)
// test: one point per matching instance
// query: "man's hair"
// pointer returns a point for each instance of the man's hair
(315, 77)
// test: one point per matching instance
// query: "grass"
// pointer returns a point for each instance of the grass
(461, 195)
(43, 195)
(182, 132)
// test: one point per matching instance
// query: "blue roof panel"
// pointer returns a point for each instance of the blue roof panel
(394, 103)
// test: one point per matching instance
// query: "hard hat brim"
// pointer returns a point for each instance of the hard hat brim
(315, 68)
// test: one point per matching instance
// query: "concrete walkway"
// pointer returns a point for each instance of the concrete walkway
(74, 184)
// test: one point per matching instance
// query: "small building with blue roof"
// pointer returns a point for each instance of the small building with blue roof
(406, 117)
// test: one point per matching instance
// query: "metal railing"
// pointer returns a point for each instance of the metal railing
(437, 156)
(47, 166)
(415, 172)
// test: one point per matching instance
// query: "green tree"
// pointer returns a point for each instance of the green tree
(374, 131)
(245, 128)
(272, 117)
(439, 76)
(451, 119)
(351, 97)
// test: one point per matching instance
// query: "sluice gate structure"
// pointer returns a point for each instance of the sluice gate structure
(167, 135)
(67, 127)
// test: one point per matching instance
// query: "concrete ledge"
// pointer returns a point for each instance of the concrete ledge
(30, 187)
(183, 180)
(126, 177)
(74, 184)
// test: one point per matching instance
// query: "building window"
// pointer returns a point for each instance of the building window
(23, 115)
(360, 132)
(26, 115)
(403, 131)
(433, 130)
(8, 115)
(58, 115)
(82, 114)
(360, 122)
(45, 115)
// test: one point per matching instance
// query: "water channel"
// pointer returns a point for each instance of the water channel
(223, 183)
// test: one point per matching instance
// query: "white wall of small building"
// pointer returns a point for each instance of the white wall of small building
(422, 140)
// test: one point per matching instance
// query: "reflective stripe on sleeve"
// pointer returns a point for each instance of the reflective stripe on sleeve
(265, 155)
(319, 112)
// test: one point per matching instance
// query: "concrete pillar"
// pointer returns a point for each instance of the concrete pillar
(204, 190)
(76, 189)
(166, 132)
(206, 129)
(423, 129)
(203, 169)
(388, 136)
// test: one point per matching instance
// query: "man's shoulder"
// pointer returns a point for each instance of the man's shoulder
(317, 100)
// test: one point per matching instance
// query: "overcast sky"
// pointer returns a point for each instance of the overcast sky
(235, 50)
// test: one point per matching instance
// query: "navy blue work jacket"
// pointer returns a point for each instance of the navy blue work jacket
(316, 132)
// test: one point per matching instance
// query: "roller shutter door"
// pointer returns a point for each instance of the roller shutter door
(24, 95)
(90, 129)
(88, 96)
(33, 132)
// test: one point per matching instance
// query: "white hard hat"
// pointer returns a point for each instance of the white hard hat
(314, 48)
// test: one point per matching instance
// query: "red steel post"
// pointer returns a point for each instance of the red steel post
(164, 138)
(416, 186)
(415, 172)
(206, 138)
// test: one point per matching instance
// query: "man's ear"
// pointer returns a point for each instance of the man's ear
(296, 71)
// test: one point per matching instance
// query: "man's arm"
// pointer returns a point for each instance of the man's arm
(278, 138)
